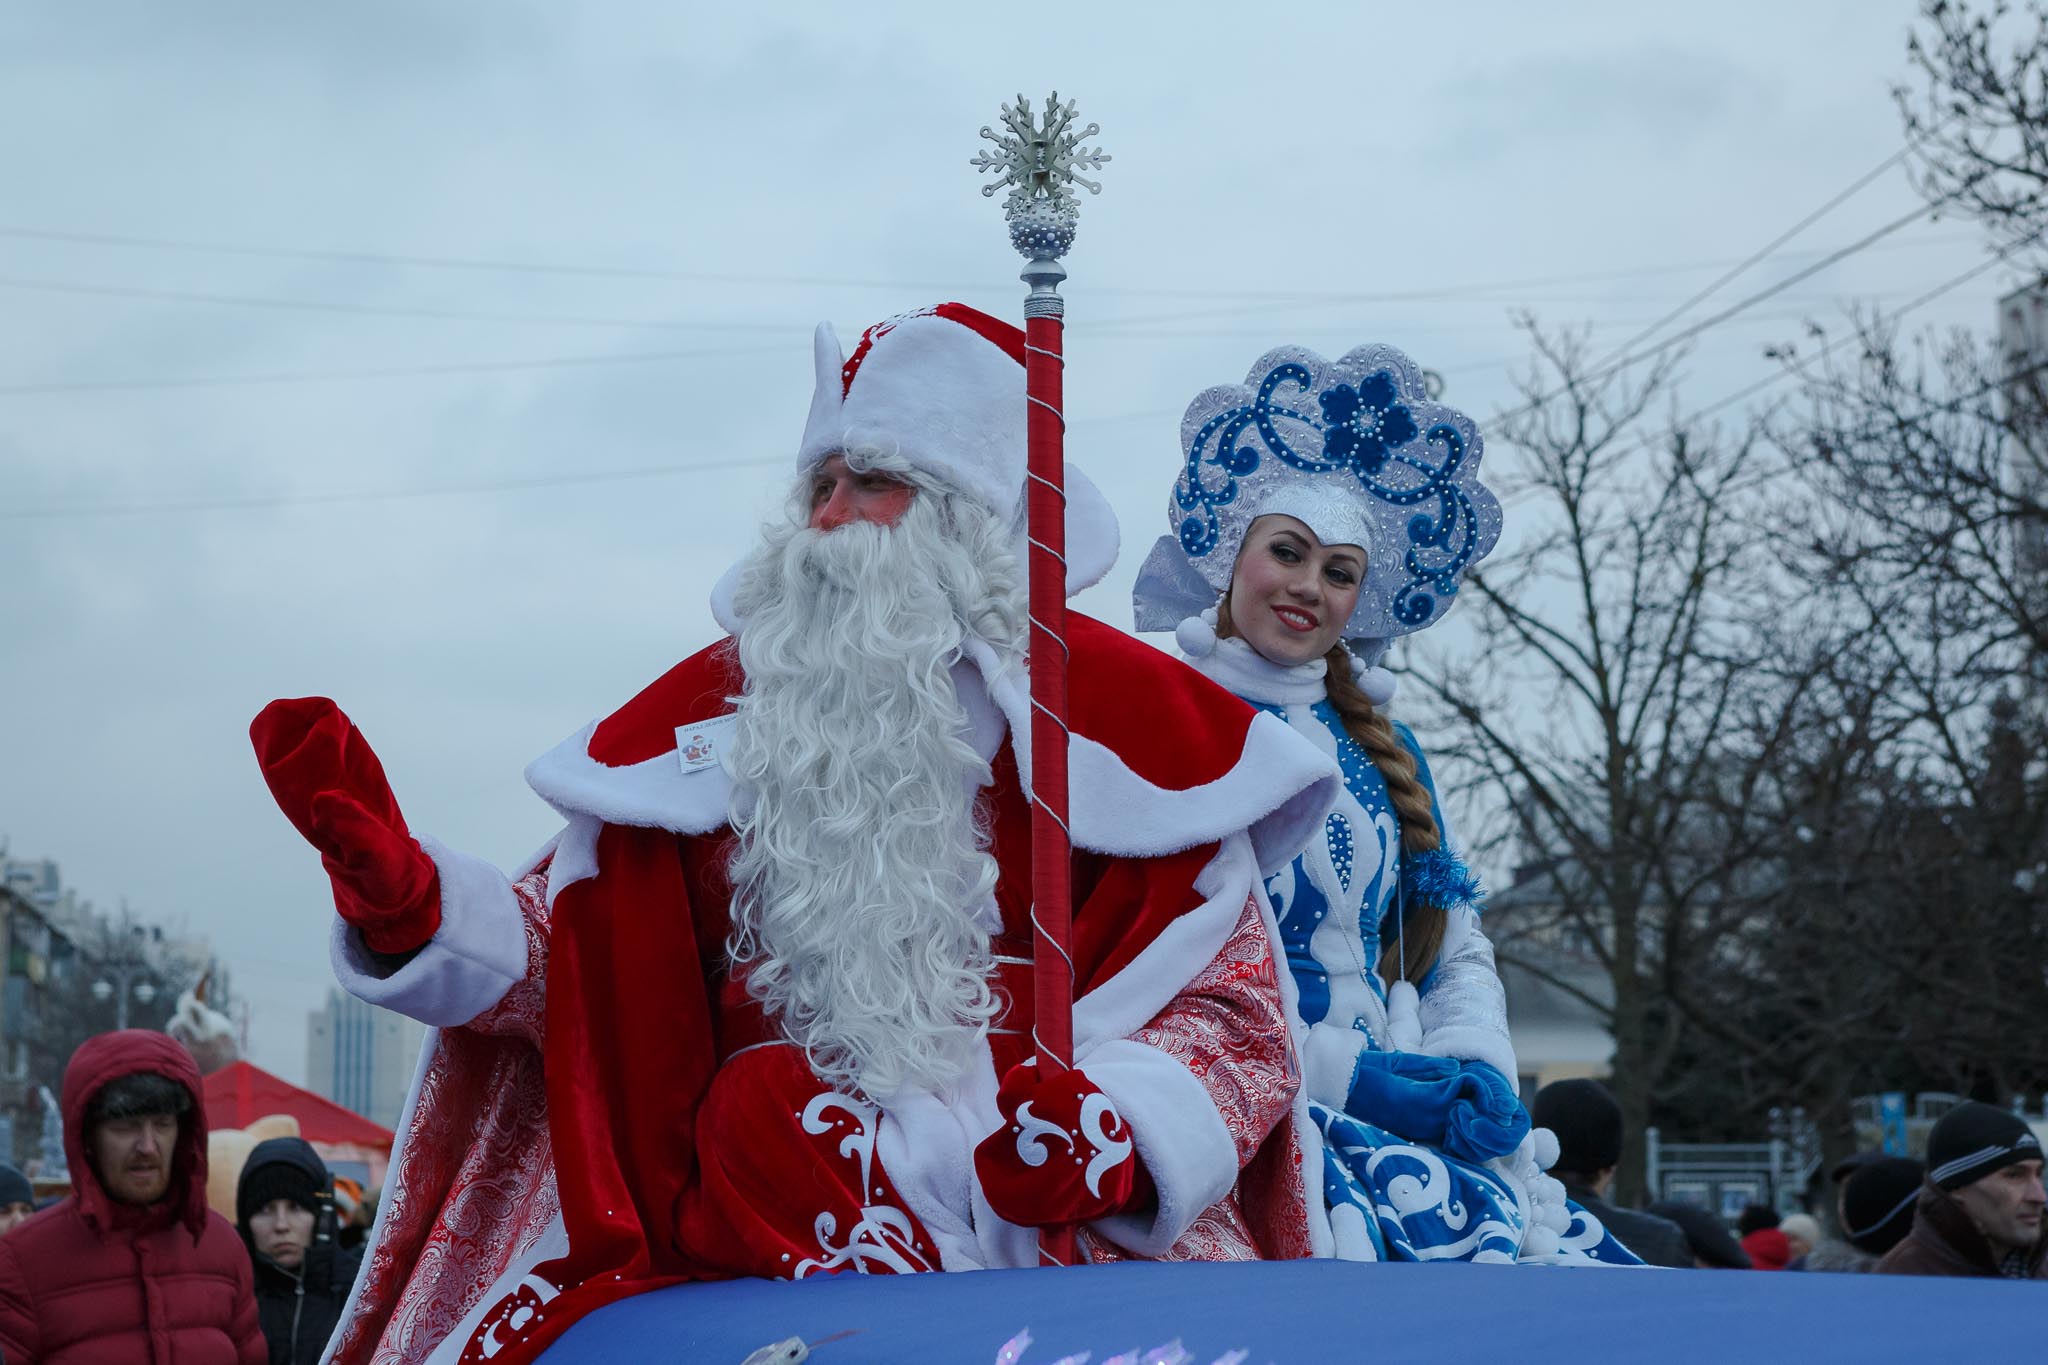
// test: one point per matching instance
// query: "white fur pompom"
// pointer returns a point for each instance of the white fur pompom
(1196, 635)
(1546, 1148)
(1539, 1241)
(1378, 685)
(1404, 1017)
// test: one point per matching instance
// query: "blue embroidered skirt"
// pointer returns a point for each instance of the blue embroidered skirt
(1393, 1200)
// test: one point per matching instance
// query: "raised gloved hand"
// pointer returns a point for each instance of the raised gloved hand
(1063, 1155)
(329, 784)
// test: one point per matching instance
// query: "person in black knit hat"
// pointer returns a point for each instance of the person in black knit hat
(284, 1206)
(1587, 1123)
(17, 1198)
(1877, 1203)
(1980, 1209)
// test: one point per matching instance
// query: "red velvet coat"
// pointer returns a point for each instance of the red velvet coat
(595, 1118)
(94, 1282)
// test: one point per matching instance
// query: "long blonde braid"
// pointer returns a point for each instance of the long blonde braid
(1374, 733)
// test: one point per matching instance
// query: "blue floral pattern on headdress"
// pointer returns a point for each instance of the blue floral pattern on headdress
(1363, 424)
(1373, 436)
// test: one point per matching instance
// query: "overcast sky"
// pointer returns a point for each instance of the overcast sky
(233, 298)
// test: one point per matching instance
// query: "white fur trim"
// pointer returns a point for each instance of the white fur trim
(654, 794)
(1308, 1139)
(927, 1146)
(477, 955)
(828, 387)
(1181, 1138)
(1233, 665)
(1329, 1063)
(1404, 1025)
(1278, 779)
(1128, 1001)
(1094, 536)
(1543, 1148)
(933, 391)
(575, 855)
(1469, 1043)
(1283, 783)
(723, 611)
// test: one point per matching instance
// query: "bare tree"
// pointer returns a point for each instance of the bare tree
(1923, 479)
(1615, 707)
(1976, 112)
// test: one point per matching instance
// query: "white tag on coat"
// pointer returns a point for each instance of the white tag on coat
(699, 744)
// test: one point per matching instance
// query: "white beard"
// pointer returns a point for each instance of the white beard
(862, 910)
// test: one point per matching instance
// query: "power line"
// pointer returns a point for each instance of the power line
(1780, 376)
(244, 502)
(123, 291)
(33, 388)
(378, 372)
(474, 264)
(1954, 283)
(1724, 315)
(664, 471)
(259, 500)
(1476, 294)
(1764, 251)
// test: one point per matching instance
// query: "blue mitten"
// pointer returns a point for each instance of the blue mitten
(1466, 1109)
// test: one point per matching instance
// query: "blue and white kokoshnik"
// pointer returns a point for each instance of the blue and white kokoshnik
(1353, 447)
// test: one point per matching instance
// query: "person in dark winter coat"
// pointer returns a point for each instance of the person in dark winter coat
(1980, 1210)
(132, 1266)
(1713, 1246)
(1587, 1123)
(17, 1199)
(1877, 1206)
(284, 1206)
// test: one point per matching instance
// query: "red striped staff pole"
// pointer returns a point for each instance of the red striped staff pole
(1038, 158)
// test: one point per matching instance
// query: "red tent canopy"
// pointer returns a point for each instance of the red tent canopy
(238, 1094)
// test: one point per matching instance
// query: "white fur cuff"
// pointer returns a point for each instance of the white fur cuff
(1329, 1061)
(477, 955)
(1181, 1138)
(1469, 1043)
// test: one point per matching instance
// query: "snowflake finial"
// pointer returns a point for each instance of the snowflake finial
(1039, 160)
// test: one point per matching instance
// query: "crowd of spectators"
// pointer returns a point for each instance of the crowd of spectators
(133, 1265)
(1974, 1207)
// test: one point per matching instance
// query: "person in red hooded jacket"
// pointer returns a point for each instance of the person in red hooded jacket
(133, 1266)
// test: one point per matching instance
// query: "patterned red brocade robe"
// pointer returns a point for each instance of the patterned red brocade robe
(601, 1109)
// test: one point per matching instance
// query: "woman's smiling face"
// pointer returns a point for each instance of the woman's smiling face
(1290, 594)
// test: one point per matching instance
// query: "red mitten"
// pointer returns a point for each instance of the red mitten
(1063, 1155)
(329, 784)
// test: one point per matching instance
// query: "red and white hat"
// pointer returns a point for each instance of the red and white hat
(943, 388)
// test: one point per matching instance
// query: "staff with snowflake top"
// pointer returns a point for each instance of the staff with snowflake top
(1037, 160)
